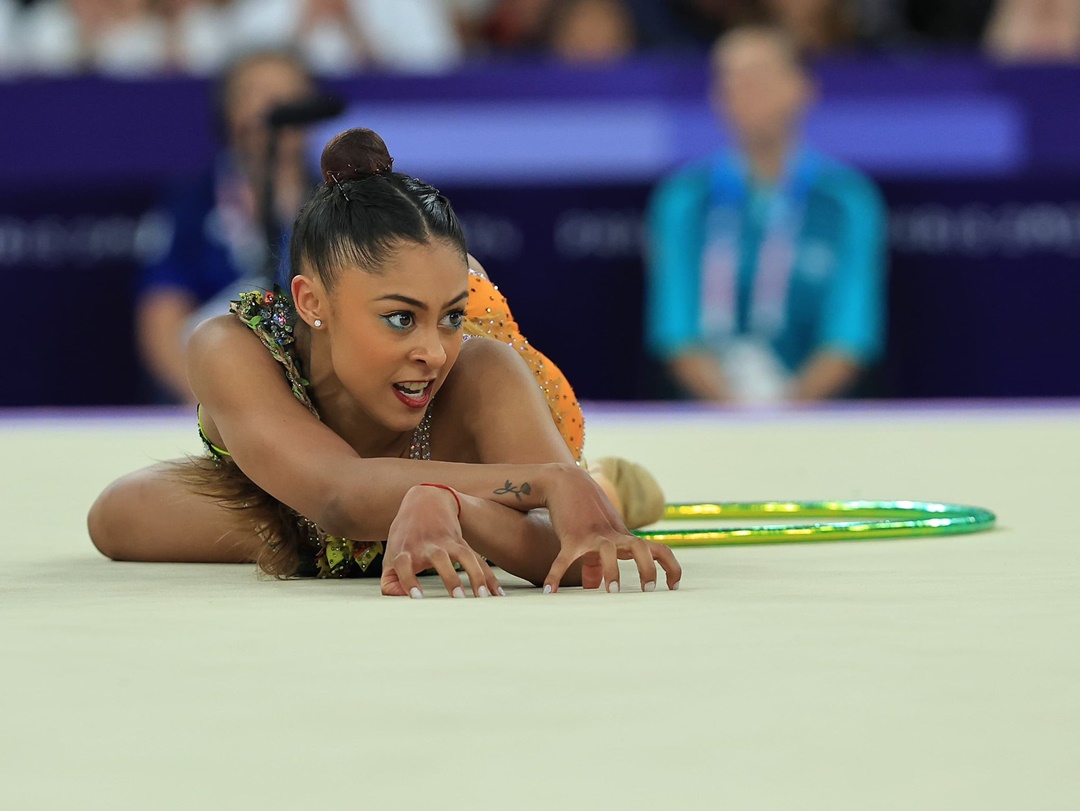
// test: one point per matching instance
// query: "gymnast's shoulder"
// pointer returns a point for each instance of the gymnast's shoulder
(496, 409)
(222, 349)
(486, 364)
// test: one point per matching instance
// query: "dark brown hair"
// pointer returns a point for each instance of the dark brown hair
(364, 208)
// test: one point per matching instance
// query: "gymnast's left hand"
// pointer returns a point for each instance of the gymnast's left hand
(426, 534)
(591, 531)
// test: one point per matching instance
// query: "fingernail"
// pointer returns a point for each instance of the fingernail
(547, 589)
(416, 594)
(459, 592)
(676, 586)
(483, 591)
(649, 586)
(613, 588)
(502, 591)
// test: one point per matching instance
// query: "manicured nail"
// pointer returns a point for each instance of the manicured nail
(676, 586)
(459, 592)
(547, 589)
(649, 586)
(416, 594)
(613, 587)
(502, 591)
(483, 591)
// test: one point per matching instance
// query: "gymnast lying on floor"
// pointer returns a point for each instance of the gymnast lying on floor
(384, 418)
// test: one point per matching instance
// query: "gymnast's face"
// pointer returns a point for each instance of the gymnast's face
(394, 336)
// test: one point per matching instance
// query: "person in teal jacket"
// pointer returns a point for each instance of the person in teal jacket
(766, 263)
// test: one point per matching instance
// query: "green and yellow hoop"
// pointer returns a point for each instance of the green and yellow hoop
(851, 521)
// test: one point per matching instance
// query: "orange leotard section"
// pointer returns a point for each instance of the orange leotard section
(488, 315)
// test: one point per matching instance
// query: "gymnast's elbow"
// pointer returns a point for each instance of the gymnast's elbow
(337, 515)
(358, 513)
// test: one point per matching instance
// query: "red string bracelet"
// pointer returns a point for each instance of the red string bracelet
(448, 489)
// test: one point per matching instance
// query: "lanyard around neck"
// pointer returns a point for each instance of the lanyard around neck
(728, 207)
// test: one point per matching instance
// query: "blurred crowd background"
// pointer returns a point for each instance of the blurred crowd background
(150, 37)
(551, 124)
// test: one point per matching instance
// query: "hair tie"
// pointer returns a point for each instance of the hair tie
(354, 175)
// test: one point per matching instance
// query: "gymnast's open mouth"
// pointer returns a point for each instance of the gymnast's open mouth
(414, 393)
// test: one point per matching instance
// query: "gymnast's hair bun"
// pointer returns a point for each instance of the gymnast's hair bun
(354, 155)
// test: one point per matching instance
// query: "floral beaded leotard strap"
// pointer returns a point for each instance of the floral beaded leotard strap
(272, 317)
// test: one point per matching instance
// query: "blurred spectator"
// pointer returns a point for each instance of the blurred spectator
(817, 26)
(691, 24)
(124, 37)
(957, 22)
(470, 17)
(218, 245)
(590, 30)
(342, 36)
(766, 262)
(1034, 30)
(199, 34)
(8, 9)
(883, 23)
(517, 24)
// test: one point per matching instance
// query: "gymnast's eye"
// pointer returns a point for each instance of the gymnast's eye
(402, 320)
(454, 319)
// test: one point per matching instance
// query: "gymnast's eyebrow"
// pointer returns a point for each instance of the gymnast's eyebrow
(419, 304)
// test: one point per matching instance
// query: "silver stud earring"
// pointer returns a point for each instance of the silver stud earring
(318, 323)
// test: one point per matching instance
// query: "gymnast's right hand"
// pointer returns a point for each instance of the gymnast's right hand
(426, 534)
(590, 530)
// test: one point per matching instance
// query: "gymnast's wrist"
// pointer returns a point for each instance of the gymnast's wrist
(446, 488)
(554, 476)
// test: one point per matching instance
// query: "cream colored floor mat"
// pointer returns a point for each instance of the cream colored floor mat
(924, 674)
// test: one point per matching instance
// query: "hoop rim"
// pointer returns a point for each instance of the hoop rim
(874, 520)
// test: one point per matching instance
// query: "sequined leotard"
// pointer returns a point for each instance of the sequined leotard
(488, 314)
(272, 317)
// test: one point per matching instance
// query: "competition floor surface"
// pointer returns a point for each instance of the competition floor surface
(914, 674)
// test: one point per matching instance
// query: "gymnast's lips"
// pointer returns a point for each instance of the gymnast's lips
(415, 393)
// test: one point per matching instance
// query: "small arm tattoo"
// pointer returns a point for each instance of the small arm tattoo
(517, 492)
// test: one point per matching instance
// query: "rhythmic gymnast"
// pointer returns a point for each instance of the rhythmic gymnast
(385, 419)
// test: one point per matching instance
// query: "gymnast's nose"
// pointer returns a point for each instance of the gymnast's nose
(429, 349)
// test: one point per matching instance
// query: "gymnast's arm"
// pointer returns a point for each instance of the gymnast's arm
(298, 460)
(501, 415)
(505, 417)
